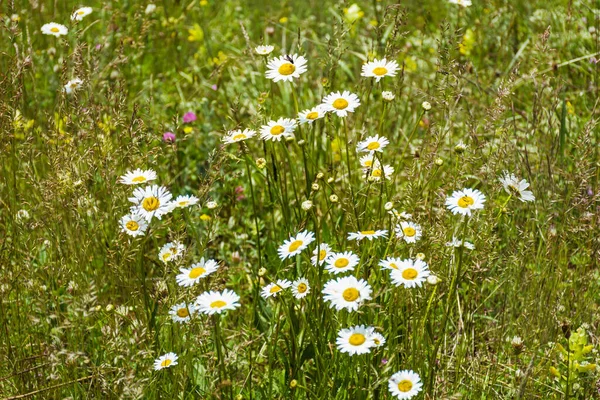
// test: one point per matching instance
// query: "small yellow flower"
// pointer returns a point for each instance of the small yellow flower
(203, 3)
(205, 217)
(196, 34)
(283, 20)
(188, 129)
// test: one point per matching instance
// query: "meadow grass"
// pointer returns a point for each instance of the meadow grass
(498, 86)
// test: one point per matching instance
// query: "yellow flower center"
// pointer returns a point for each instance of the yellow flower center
(80, 12)
(367, 232)
(376, 173)
(312, 115)
(368, 163)
(275, 289)
(465, 201)
(302, 288)
(409, 274)
(166, 363)
(409, 231)
(340, 104)
(376, 341)
(132, 226)
(150, 203)
(322, 255)
(341, 262)
(295, 245)
(240, 136)
(167, 256)
(183, 203)
(356, 339)
(287, 69)
(379, 71)
(54, 29)
(137, 179)
(350, 294)
(183, 312)
(196, 272)
(218, 304)
(373, 146)
(277, 130)
(405, 385)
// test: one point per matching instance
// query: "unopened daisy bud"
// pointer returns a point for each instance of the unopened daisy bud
(315, 186)
(387, 96)
(320, 175)
(293, 383)
(460, 147)
(307, 205)
(301, 142)
(109, 307)
(333, 198)
(420, 256)
(372, 179)
(239, 397)
(517, 344)
(97, 308)
(261, 163)
(438, 161)
(262, 271)
(289, 138)
(426, 105)
(211, 205)
(433, 280)
(330, 180)
(388, 206)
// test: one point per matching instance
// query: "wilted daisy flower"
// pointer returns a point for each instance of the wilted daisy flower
(300, 288)
(171, 251)
(263, 50)
(409, 231)
(138, 176)
(347, 292)
(152, 201)
(516, 187)
(276, 130)
(181, 312)
(311, 115)
(367, 161)
(238, 136)
(341, 103)
(388, 96)
(286, 68)
(166, 361)
(54, 29)
(355, 340)
(73, 85)
(217, 302)
(324, 251)
(405, 384)
(80, 13)
(295, 245)
(341, 262)
(185, 201)
(464, 3)
(410, 273)
(456, 242)
(367, 235)
(373, 143)
(134, 224)
(273, 289)
(376, 337)
(379, 68)
(463, 201)
(377, 172)
(191, 276)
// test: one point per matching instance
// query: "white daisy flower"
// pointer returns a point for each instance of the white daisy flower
(324, 251)
(73, 85)
(300, 288)
(355, 340)
(54, 29)
(400, 215)
(405, 384)
(79, 14)
(367, 161)
(171, 251)
(152, 201)
(409, 231)
(134, 224)
(273, 289)
(390, 263)
(263, 50)
(463, 201)
(217, 302)
(456, 242)
(377, 338)
(373, 143)
(311, 115)
(138, 176)
(165, 361)
(181, 312)
(341, 262)
(347, 292)
(464, 3)
(381, 233)
(295, 245)
(276, 130)
(410, 273)
(238, 136)
(185, 201)
(286, 68)
(341, 103)
(516, 187)
(377, 172)
(192, 275)
(379, 68)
